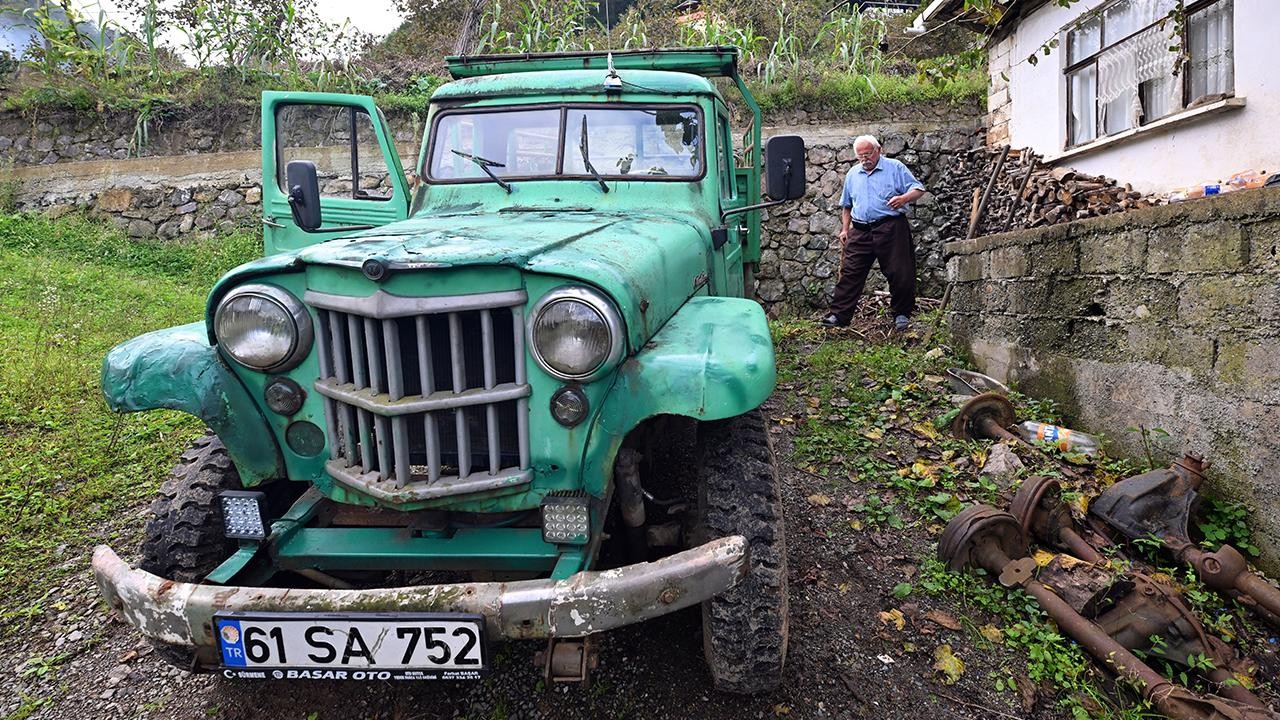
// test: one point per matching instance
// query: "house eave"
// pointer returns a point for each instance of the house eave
(941, 11)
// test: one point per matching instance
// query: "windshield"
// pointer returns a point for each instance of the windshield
(633, 143)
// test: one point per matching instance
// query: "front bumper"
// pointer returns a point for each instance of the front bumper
(582, 604)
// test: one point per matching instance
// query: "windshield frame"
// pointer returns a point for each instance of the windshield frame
(564, 144)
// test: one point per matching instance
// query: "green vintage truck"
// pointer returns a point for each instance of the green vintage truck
(441, 406)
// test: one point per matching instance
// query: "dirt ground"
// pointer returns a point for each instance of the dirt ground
(845, 661)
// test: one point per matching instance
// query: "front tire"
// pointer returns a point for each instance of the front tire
(184, 540)
(745, 629)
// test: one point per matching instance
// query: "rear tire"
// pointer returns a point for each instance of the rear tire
(745, 629)
(184, 540)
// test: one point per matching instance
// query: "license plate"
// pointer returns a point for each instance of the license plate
(352, 646)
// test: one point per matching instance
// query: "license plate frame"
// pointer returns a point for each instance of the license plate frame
(434, 643)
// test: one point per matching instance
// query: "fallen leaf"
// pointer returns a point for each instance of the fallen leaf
(1043, 557)
(893, 617)
(855, 524)
(814, 402)
(843, 588)
(874, 433)
(948, 663)
(925, 430)
(992, 633)
(781, 710)
(943, 618)
(1080, 503)
(933, 354)
(819, 500)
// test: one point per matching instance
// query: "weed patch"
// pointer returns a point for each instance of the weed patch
(72, 470)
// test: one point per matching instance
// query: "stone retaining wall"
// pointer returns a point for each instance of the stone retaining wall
(1166, 318)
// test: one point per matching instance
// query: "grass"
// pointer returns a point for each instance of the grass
(69, 291)
(849, 93)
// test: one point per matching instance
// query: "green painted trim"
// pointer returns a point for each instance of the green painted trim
(233, 565)
(365, 548)
(177, 368)
(719, 61)
(713, 360)
(570, 562)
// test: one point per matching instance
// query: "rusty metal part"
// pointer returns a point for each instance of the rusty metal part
(985, 417)
(626, 476)
(1089, 588)
(1227, 570)
(1161, 503)
(582, 604)
(1151, 610)
(1039, 508)
(981, 536)
(569, 660)
(968, 382)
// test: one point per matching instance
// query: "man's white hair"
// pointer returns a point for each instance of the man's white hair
(868, 139)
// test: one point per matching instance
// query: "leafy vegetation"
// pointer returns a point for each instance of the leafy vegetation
(794, 55)
(69, 291)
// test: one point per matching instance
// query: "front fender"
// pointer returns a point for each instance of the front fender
(177, 368)
(713, 360)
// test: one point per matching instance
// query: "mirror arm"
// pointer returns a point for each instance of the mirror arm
(749, 208)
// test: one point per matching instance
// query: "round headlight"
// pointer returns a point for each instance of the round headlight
(263, 327)
(575, 333)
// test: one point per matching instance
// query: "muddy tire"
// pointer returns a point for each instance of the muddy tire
(744, 630)
(184, 539)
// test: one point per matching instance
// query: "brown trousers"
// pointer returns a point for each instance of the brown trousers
(889, 243)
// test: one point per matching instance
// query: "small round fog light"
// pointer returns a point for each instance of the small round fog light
(284, 396)
(569, 405)
(304, 438)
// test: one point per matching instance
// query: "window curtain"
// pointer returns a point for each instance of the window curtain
(1210, 46)
(1135, 76)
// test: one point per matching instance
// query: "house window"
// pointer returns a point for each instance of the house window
(1121, 72)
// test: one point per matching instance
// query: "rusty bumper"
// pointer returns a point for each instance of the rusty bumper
(582, 604)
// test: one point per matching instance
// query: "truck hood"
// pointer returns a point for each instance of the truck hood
(649, 263)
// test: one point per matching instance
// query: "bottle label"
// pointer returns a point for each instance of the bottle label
(1056, 435)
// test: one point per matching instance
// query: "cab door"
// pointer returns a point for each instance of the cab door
(732, 235)
(362, 182)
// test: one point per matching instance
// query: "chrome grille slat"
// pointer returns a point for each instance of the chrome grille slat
(360, 376)
(490, 379)
(457, 358)
(390, 364)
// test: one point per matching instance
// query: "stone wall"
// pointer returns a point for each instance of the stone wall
(65, 136)
(1167, 318)
(801, 253)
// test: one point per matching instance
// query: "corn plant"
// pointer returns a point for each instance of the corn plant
(539, 26)
(854, 42)
(69, 47)
(783, 59)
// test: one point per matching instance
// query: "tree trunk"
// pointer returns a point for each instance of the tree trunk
(469, 28)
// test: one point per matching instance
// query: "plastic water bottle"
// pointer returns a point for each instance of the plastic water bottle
(1066, 439)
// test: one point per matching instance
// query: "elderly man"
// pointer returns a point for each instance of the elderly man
(874, 228)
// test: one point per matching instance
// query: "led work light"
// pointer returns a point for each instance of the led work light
(242, 514)
(566, 520)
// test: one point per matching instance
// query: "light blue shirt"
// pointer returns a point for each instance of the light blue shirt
(867, 193)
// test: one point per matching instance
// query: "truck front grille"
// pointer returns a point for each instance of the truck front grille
(424, 397)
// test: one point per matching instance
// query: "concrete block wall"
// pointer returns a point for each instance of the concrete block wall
(1167, 317)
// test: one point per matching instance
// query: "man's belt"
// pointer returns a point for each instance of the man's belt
(865, 227)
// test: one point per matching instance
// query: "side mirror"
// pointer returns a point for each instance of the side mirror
(784, 167)
(304, 194)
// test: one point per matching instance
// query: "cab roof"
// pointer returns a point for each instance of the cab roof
(649, 84)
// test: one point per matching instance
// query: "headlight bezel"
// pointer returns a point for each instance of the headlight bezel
(304, 331)
(601, 306)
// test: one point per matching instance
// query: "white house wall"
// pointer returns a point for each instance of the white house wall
(1205, 150)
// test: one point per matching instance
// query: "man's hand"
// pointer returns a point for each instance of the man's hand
(844, 236)
(897, 201)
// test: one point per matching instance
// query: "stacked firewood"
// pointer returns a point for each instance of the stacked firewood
(1001, 188)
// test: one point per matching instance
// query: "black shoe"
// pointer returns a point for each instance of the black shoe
(833, 321)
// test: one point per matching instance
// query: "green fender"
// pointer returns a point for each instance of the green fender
(177, 368)
(713, 360)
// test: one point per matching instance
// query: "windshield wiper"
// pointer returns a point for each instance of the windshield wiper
(586, 160)
(484, 164)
